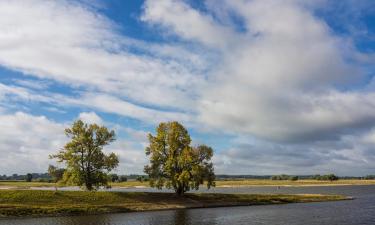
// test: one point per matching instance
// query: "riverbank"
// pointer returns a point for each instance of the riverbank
(220, 183)
(17, 203)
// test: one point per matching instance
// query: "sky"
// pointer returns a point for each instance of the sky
(273, 86)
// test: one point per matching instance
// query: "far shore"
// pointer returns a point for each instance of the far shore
(21, 185)
(36, 203)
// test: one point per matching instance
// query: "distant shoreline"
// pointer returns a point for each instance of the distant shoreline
(34, 203)
(22, 185)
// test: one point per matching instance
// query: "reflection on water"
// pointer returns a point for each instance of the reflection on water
(357, 212)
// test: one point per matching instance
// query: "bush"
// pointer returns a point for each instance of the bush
(142, 178)
(123, 178)
(113, 177)
(293, 178)
(284, 177)
(330, 177)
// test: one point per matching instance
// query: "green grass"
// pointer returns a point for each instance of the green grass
(24, 184)
(41, 203)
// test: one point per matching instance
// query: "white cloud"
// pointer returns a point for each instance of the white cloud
(132, 157)
(284, 81)
(90, 117)
(38, 85)
(26, 141)
(92, 100)
(350, 155)
(278, 74)
(111, 104)
(193, 25)
(72, 44)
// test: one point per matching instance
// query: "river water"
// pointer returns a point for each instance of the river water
(359, 211)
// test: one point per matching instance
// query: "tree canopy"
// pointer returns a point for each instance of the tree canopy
(174, 163)
(56, 174)
(86, 163)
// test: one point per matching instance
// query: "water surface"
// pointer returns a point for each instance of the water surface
(355, 212)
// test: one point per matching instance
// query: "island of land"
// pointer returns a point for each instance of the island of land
(17, 203)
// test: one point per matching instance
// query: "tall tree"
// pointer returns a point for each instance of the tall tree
(174, 163)
(56, 174)
(86, 164)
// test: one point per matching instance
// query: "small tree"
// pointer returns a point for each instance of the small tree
(174, 163)
(29, 177)
(332, 177)
(113, 177)
(56, 174)
(293, 178)
(86, 164)
(123, 178)
(140, 178)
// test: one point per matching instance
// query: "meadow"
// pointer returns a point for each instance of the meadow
(15, 203)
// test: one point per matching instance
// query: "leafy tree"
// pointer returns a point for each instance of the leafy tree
(86, 164)
(330, 177)
(280, 177)
(174, 163)
(293, 178)
(56, 174)
(123, 178)
(29, 177)
(113, 177)
(142, 178)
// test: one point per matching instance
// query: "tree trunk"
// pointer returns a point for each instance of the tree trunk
(88, 185)
(180, 191)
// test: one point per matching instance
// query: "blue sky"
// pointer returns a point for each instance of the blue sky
(273, 86)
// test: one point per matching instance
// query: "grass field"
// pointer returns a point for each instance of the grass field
(220, 183)
(40, 203)
(23, 184)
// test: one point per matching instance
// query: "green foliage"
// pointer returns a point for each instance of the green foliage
(330, 177)
(123, 178)
(369, 177)
(293, 178)
(29, 177)
(280, 177)
(142, 178)
(56, 173)
(113, 177)
(86, 164)
(174, 163)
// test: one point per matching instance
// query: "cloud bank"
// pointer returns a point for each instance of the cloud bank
(297, 96)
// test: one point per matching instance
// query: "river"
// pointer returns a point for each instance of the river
(360, 211)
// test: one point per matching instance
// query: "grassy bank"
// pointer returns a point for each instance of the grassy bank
(23, 184)
(43, 203)
(220, 183)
